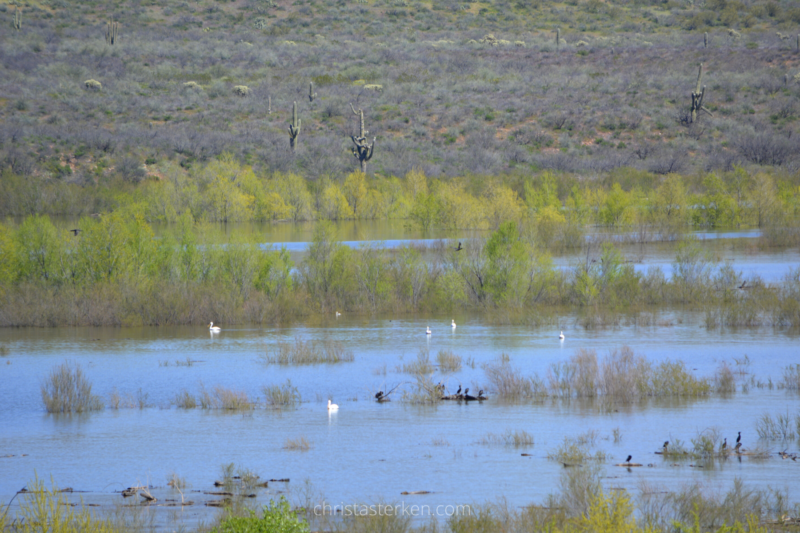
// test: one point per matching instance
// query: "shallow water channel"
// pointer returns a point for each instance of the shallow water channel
(370, 452)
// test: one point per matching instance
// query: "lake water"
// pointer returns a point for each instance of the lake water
(370, 452)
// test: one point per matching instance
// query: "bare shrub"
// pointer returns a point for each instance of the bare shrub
(67, 390)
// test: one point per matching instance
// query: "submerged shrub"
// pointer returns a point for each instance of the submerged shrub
(422, 365)
(506, 381)
(308, 353)
(67, 390)
(282, 396)
(185, 400)
(509, 438)
(448, 361)
(791, 377)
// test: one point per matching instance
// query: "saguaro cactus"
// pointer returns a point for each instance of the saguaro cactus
(112, 32)
(705, 40)
(362, 150)
(18, 19)
(294, 128)
(311, 93)
(558, 37)
(698, 95)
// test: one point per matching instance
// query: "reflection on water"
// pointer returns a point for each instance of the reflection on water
(369, 451)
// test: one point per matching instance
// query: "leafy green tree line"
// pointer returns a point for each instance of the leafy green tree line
(559, 204)
(116, 271)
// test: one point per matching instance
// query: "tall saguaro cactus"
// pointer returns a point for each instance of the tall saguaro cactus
(112, 32)
(294, 128)
(705, 40)
(698, 95)
(558, 37)
(362, 150)
(311, 93)
(18, 19)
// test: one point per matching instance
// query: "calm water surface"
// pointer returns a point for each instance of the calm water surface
(368, 451)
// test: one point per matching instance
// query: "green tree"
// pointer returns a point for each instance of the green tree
(508, 264)
(426, 211)
(372, 273)
(355, 190)
(40, 250)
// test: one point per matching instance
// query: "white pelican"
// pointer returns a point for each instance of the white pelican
(453, 324)
(332, 406)
(212, 327)
(561, 336)
(429, 330)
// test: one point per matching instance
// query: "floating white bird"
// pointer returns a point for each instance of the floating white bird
(332, 406)
(212, 327)
(453, 324)
(429, 330)
(561, 336)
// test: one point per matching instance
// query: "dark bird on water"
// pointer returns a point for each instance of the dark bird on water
(75, 231)
(379, 395)
(459, 390)
(739, 438)
(666, 443)
(459, 247)
(480, 393)
(628, 460)
(466, 391)
(725, 443)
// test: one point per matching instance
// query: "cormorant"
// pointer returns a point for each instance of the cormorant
(459, 390)
(628, 460)
(666, 443)
(75, 231)
(466, 391)
(459, 247)
(379, 395)
(724, 444)
(739, 438)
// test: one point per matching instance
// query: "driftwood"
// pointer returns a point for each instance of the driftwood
(628, 465)
(464, 398)
(219, 493)
(415, 492)
(218, 503)
(286, 480)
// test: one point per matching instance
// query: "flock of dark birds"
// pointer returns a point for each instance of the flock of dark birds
(723, 449)
(380, 396)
